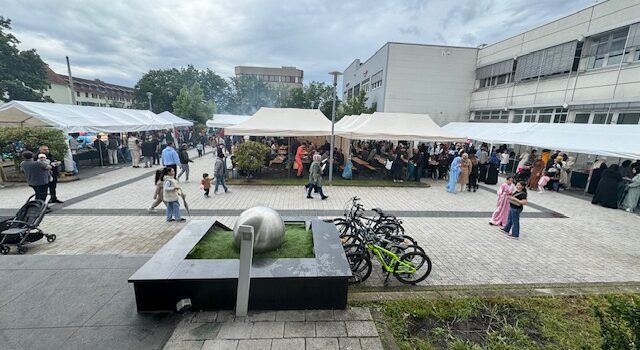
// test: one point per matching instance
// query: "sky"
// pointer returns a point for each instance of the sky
(119, 40)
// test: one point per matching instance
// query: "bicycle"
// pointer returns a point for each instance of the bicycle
(354, 219)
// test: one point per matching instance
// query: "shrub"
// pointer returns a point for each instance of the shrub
(15, 140)
(619, 320)
(250, 155)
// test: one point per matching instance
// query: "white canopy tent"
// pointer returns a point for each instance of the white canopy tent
(226, 120)
(397, 126)
(598, 139)
(71, 118)
(283, 122)
(175, 120)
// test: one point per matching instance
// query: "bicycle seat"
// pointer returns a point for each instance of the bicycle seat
(378, 210)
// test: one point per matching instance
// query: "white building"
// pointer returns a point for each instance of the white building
(413, 78)
(582, 68)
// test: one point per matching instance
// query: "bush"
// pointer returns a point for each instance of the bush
(250, 155)
(13, 141)
(619, 320)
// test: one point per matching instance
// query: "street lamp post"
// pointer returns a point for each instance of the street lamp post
(149, 94)
(333, 122)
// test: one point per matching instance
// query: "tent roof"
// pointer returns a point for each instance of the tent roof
(397, 126)
(175, 120)
(225, 120)
(71, 118)
(599, 139)
(283, 122)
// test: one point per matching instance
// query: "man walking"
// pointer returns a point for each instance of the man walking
(112, 149)
(55, 172)
(37, 174)
(148, 150)
(170, 158)
(220, 172)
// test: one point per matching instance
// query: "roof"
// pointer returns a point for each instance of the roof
(175, 120)
(226, 120)
(283, 122)
(86, 85)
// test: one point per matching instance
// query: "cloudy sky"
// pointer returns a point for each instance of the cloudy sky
(118, 40)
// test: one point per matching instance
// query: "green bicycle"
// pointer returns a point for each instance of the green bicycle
(408, 263)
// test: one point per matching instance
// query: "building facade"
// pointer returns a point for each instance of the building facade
(288, 77)
(414, 78)
(88, 92)
(582, 68)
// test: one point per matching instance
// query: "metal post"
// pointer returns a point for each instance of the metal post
(149, 94)
(244, 274)
(73, 93)
(333, 122)
(100, 150)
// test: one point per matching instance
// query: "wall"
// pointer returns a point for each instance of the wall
(59, 93)
(358, 72)
(437, 80)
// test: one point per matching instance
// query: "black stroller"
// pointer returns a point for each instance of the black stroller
(23, 228)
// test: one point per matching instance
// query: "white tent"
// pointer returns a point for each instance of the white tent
(71, 118)
(283, 122)
(175, 120)
(599, 139)
(226, 120)
(397, 126)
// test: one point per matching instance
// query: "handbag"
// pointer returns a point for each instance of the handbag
(388, 164)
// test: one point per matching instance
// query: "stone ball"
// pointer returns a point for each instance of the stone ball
(268, 228)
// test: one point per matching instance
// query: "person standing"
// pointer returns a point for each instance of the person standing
(398, 164)
(607, 190)
(492, 170)
(37, 174)
(156, 150)
(315, 177)
(184, 161)
(55, 173)
(536, 172)
(501, 214)
(133, 143)
(148, 151)
(171, 195)
(454, 172)
(517, 201)
(473, 175)
(158, 194)
(170, 158)
(112, 149)
(220, 172)
(465, 170)
(633, 194)
(504, 161)
(298, 159)
(483, 163)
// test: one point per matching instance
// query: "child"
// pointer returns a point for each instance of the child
(544, 179)
(504, 162)
(42, 158)
(158, 194)
(171, 194)
(200, 148)
(206, 183)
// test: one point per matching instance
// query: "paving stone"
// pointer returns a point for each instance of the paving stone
(290, 315)
(184, 345)
(220, 344)
(322, 343)
(225, 316)
(254, 344)
(361, 329)
(256, 316)
(204, 316)
(353, 314)
(371, 343)
(267, 330)
(299, 329)
(350, 344)
(319, 315)
(199, 331)
(330, 329)
(235, 330)
(287, 344)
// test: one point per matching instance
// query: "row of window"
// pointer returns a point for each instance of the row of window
(107, 97)
(95, 104)
(558, 115)
(542, 115)
(276, 78)
(607, 118)
(495, 114)
(364, 86)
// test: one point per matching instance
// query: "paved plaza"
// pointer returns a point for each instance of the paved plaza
(564, 239)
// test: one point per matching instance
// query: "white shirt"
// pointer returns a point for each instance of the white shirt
(504, 158)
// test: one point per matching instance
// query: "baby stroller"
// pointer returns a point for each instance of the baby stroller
(23, 228)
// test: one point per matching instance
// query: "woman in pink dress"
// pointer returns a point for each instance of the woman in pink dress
(298, 159)
(501, 213)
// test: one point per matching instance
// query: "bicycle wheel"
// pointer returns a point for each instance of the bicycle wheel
(412, 267)
(360, 265)
(344, 228)
(350, 239)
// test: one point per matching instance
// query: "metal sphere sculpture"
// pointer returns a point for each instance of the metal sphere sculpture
(268, 228)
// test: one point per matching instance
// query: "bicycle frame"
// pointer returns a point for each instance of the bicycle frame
(378, 251)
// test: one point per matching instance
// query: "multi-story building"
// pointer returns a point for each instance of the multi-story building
(412, 78)
(289, 77)
(582, 68)
(88, 92)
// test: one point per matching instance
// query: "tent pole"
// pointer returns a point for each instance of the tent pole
(289, 164)
(100, 150)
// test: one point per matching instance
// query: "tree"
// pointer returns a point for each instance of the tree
(247, 94)
(190, 104)
(16, 140)
(250, 155)
(23, 75)
(355, 106)
(315, 95)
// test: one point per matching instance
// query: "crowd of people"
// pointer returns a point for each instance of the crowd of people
(42, 172)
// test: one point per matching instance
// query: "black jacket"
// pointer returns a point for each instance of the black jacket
(148, 149)
(55, 170)
(184, 157)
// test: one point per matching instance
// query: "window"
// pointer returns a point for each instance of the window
(554, 60)
(560, 115)
(530, 115)
(582, 118)
(518, 115)
(602, 118)
(545, 116)
(495, 74)
(629, 118)
(77, 93)
(356, 89)
(349, 94)
(86, 94)
(376, 80)
(607, 50)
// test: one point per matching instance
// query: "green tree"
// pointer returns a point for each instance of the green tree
(250, 155)
(355, 106)
(22, 73)
(315, 95)
(31, 139)
(190, 104)
(247, 94)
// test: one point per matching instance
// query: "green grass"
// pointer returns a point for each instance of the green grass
(515, 323)
(336, 182)
(218, 244)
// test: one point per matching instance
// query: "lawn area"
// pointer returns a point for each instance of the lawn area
(218, 244)
(518, 323)
(336, 182)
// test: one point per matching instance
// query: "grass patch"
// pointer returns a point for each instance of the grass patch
(336, 182)
(218, 244)
(518, 323)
